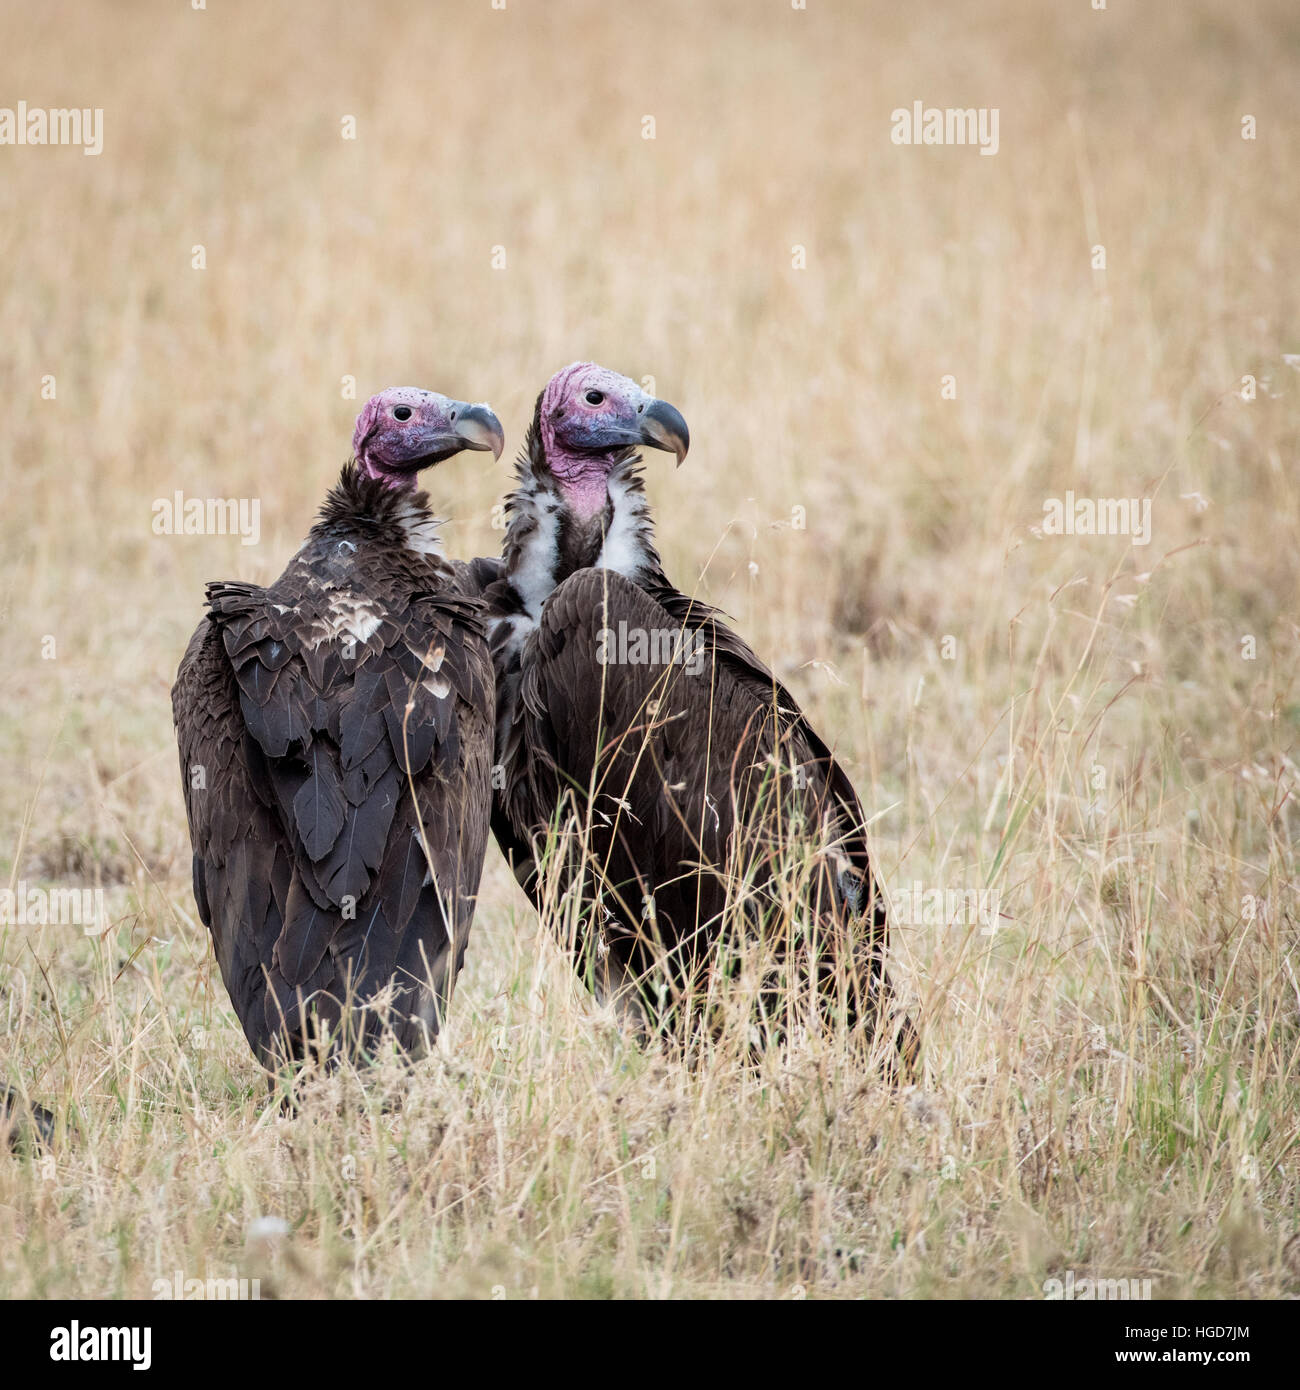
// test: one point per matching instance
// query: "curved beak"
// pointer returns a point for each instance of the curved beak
(662, 427)
(476, 427)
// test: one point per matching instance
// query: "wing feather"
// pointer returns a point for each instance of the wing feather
(341, 834)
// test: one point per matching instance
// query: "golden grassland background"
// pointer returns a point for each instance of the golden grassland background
(1110, 1079)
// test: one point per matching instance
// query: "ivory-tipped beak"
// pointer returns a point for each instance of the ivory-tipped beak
(479, 428)
(662, 427)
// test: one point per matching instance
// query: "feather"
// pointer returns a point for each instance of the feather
(359, 849)
(308, 869)
(318, 808)
(305, 935)
(682, 763)
(361, 717)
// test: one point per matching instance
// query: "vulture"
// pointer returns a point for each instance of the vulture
(335, 737)
(705, 812)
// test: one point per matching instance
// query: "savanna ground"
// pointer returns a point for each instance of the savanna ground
(1107, 742)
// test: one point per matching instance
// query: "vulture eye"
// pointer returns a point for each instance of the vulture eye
(595, 397)
(401, 412)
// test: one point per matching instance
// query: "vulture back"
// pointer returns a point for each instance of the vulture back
(710, 830)
(335, 735)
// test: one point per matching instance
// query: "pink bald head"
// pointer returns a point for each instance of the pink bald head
(589, 417)
(404, 429)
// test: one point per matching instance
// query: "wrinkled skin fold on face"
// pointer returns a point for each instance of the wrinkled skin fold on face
(405, 429)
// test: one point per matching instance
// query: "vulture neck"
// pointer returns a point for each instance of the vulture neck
(363, 508)
(548, 539)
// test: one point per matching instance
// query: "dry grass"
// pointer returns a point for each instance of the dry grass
(1110, 1078)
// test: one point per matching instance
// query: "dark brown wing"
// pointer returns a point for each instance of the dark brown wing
(242, 862)
(690, 772)
(475, 577)
(340, 820)
(814, 756)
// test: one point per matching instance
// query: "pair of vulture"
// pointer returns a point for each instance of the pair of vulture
(349, 735)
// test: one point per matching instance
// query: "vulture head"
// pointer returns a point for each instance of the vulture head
(588, 418)
(404, 429)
